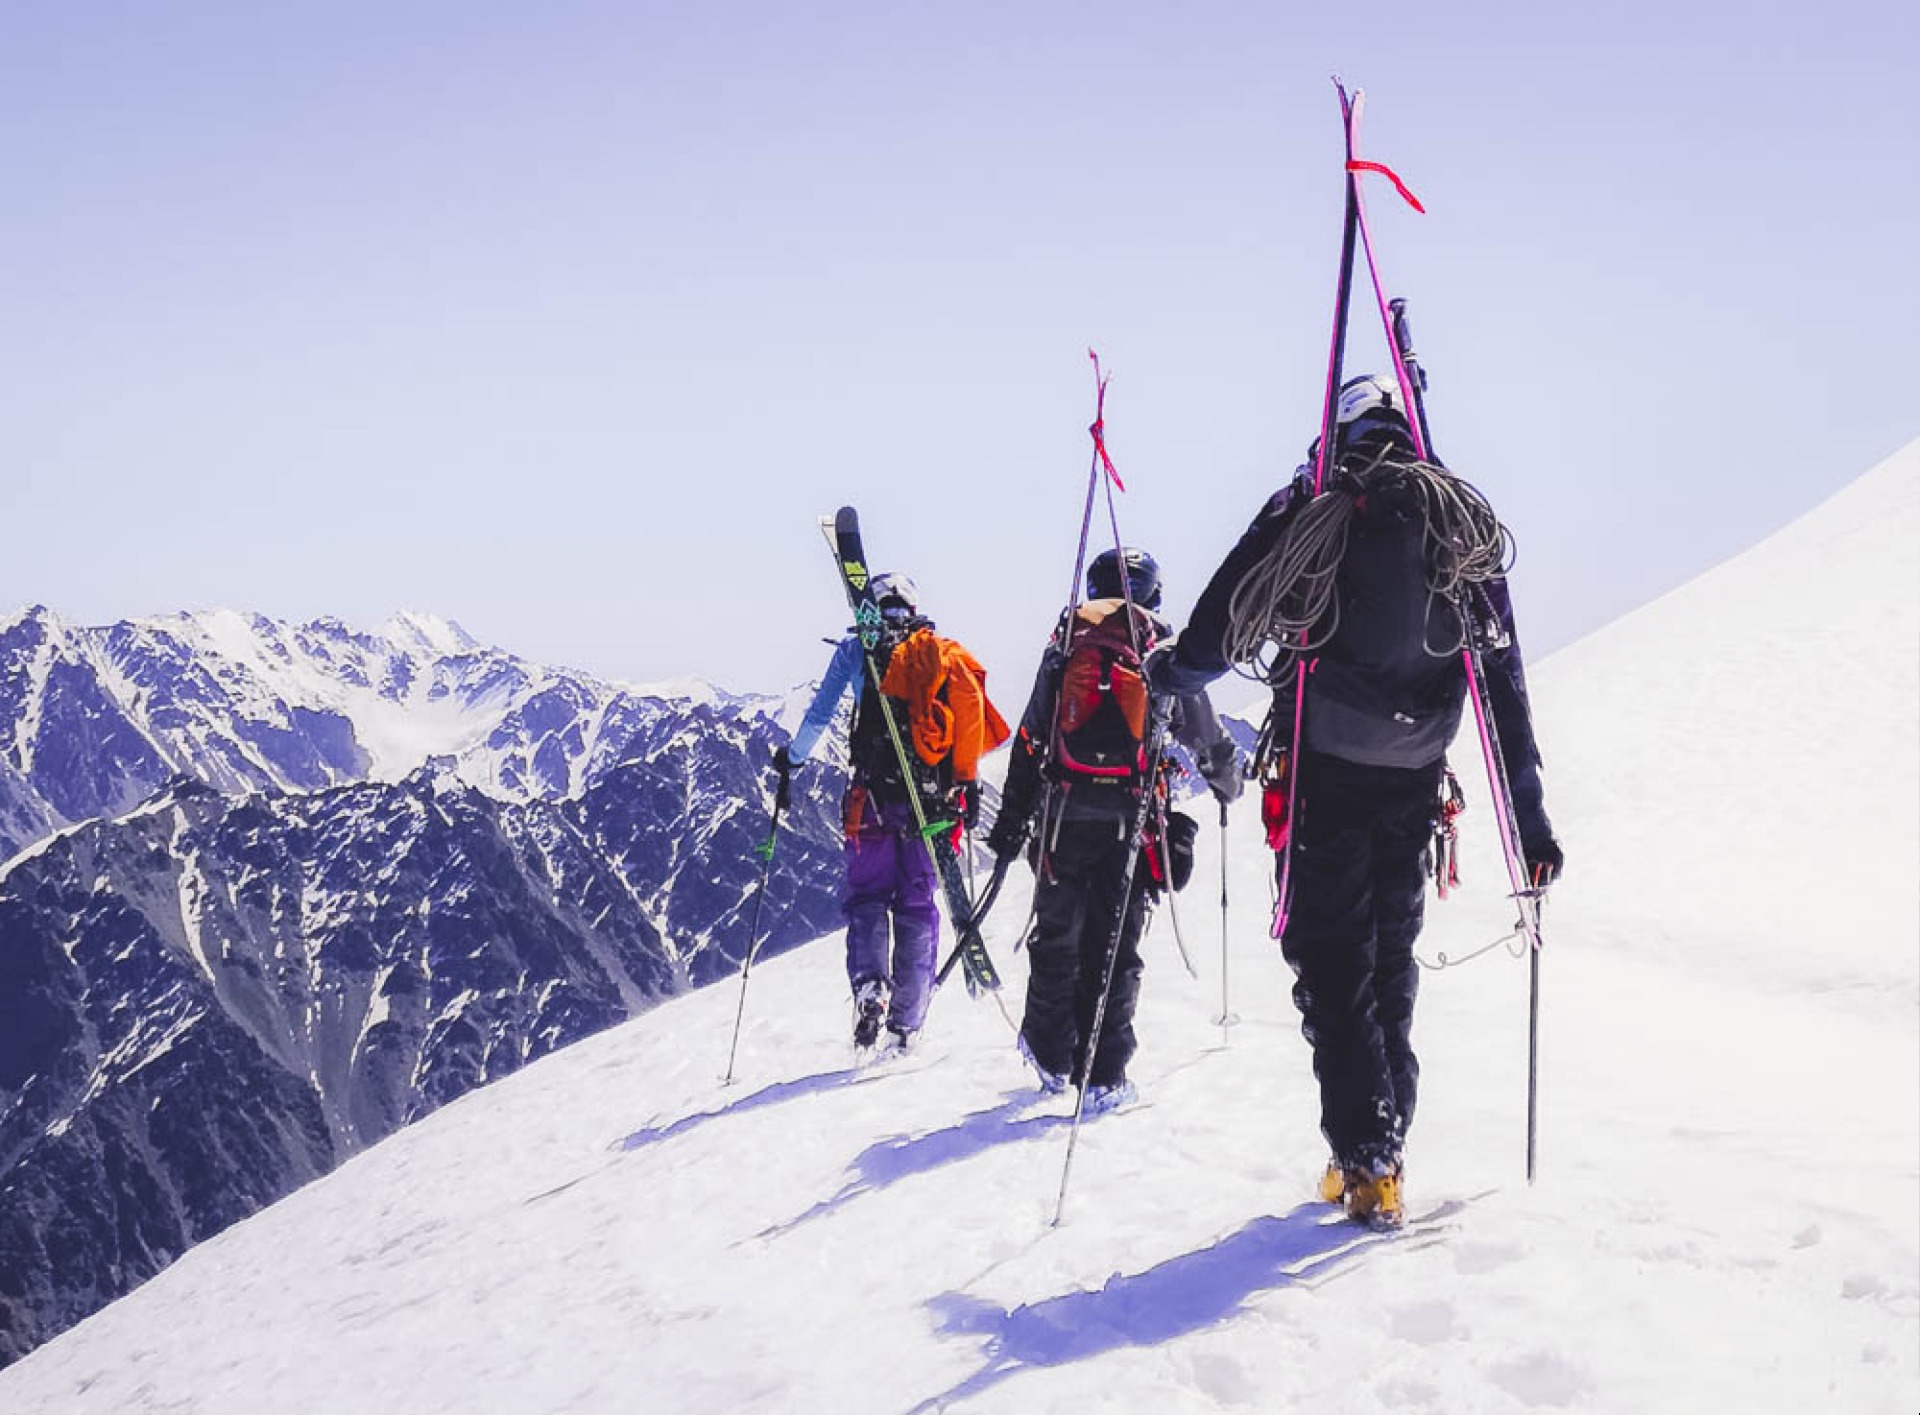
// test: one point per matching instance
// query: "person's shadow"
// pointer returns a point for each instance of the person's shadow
(1183, 1295)
(653, 1133)
(775, 1094)
(897, 1157)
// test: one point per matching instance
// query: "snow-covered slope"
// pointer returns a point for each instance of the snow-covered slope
(1727, 1215)
(1738, 759)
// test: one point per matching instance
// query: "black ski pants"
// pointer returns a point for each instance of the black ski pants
(1359, 890)
(1076, 912)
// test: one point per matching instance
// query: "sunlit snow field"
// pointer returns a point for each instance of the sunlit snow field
(1727, 1212)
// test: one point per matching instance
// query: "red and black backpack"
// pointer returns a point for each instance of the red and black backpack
(1101, 723)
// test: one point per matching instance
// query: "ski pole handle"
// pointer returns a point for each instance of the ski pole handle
(1416, 393)
(1403, 341)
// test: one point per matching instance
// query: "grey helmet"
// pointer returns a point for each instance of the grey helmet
(1369, 406)
(897, 597)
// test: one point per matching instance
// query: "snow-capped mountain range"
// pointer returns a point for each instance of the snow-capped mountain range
(93, 720)
(321, 883)
(1727, 1211)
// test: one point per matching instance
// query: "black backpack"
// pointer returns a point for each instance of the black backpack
(1387, 687)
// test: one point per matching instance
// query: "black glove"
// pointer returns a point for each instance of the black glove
(1157, 665)
(1546, 862)
(1221, 770)
(1007, 838)
(1182, 831)
(783, 766)
(965, 800)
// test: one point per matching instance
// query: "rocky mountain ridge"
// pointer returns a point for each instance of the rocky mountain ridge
(238, 943)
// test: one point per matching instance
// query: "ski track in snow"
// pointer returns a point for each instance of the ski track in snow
(1727, 1216)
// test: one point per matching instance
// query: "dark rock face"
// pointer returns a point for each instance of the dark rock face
(255, 963)
(75, 752)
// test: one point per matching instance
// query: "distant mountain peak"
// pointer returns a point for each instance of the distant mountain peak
(429, 633)
(45, 619)
(94, 719)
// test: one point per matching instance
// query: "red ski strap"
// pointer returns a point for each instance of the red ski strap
(1359, 165)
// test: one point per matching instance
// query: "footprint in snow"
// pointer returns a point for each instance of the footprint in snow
(1425, 1323)
(1540, 1378)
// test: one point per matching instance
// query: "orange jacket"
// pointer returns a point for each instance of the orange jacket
(966, 723)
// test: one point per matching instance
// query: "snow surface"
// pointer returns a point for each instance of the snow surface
(1727, 1216)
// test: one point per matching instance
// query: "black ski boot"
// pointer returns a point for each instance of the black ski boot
(870, 1010)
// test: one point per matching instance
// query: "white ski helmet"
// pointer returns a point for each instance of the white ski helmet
(1369, 397)
(896, 595)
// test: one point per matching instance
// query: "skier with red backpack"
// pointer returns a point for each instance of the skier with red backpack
(1086, 749)
(1369, 593)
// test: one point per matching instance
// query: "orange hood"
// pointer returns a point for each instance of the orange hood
(966, 725)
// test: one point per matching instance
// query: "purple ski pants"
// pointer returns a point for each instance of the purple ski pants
(890, 881)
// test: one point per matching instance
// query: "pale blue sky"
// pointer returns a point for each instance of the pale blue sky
(566, 321)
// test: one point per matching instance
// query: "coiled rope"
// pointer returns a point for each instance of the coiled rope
(1284, 607)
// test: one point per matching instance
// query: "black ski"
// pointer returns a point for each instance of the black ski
(1350, 104)
(849, 554)
(1323, 449)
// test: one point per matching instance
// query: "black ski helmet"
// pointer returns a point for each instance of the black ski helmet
(1143, 577)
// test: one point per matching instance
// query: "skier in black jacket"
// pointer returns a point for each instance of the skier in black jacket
(1374, 584)
(1077, 767)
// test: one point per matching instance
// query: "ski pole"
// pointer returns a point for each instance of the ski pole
(1136, 838)
(980, 907)
(984, 900)
(781, 793)
(1416, 374)
(1526, 899)
(1227, 1016)
(1173, 905)
(1533, 1053)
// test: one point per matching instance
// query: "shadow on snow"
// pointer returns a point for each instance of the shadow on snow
(775, 1094)
(901, 1156)
(653, 1133)
(1183, 1295)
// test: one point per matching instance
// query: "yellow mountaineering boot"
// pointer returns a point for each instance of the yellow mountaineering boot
(1333, 1184)
(1375, 1199)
